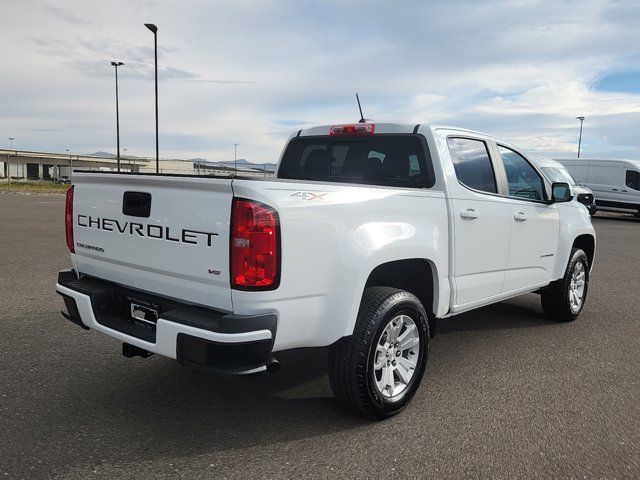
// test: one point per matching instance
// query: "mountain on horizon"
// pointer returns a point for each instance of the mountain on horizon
(101, 154)
(241, 162)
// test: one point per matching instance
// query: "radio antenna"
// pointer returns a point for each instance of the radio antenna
(362, 120)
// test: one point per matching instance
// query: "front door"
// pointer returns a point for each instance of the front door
(534, 225)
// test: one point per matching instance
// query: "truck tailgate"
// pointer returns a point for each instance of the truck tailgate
(163, 234)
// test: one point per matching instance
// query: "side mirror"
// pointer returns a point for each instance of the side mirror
(560, 192)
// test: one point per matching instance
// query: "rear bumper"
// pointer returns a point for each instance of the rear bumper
(226, 343)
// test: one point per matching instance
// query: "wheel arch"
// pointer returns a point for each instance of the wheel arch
(587, 243)
(576, 230)
(418, 276)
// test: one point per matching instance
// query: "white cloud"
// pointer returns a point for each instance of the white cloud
(247, 71)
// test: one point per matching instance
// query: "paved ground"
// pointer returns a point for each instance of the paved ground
(507, 393)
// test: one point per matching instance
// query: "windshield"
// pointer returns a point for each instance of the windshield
(558, 174)
(392, 159)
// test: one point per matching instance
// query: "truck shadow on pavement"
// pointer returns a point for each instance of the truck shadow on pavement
(124, 410)
(156, 408)
(519, 312)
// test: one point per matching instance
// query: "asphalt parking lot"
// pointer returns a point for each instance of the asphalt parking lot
(507, 393)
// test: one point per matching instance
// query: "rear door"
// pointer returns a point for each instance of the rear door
(535, 225)
(481, 221)
(164, 234)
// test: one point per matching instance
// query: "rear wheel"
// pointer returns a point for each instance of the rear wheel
(564, 298)
(376, 371)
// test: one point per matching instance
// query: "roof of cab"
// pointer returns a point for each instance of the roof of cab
(385, 127)
(380, 128)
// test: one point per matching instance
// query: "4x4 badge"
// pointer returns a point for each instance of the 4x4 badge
(309, 195)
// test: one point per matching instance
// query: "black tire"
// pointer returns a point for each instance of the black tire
(593, 211)
(351, 359)
(555, 298)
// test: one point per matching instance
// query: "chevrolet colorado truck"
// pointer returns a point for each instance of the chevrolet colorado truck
(369, 233)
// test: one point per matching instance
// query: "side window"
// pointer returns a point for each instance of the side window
(524, 181)
(472, 164)
(632, 179)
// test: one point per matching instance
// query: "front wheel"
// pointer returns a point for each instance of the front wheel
(376, 371)
(564, 299)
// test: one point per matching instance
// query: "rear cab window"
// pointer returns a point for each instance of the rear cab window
(398, 160)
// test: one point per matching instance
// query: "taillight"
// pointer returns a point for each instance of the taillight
(255, 242)
(353, 129)
(68, 219)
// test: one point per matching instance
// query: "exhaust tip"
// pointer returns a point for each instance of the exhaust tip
(131, 351)
(273, 365)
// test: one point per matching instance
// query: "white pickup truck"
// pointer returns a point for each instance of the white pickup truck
(369, 233)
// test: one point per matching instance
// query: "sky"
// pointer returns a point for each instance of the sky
(253, 71)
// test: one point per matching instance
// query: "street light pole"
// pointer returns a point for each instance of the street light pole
(580, 138)
(70, 163)
(131, 159)
(154, 29)
(11, 139)
(235, 157)
(116, 65)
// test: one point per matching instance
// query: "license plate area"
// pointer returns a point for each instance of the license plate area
(143, 315)
(140, 312)
(130, 312)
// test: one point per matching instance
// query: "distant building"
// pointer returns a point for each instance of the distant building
(26, 165)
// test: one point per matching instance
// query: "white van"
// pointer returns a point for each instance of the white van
(615, 183)
(556, 172)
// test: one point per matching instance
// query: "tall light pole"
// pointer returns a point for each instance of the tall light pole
(116, 65)
(580, 138)
(70, 163)
(11, 139)
(154, 29)
(130, 159)
(235, 157)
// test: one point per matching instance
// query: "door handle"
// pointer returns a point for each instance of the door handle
(469, 214)
(624, 191)
(614, 189)
(520, 217)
